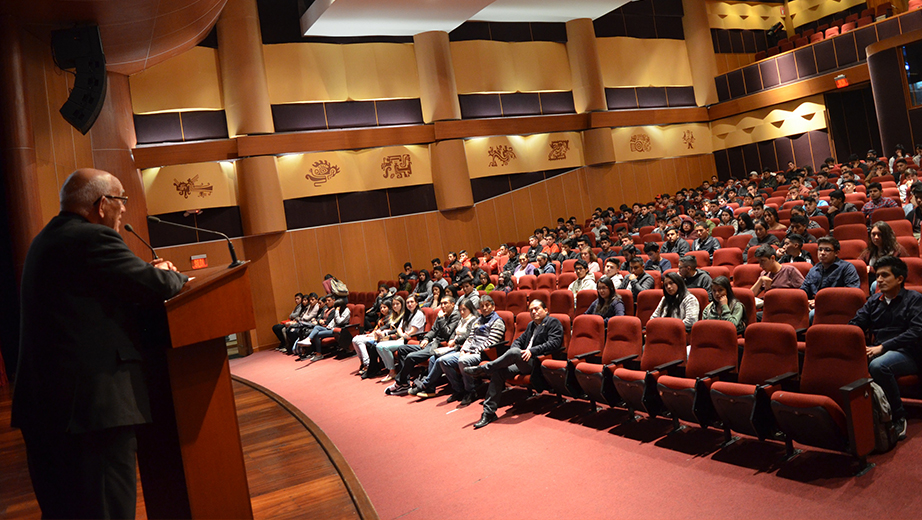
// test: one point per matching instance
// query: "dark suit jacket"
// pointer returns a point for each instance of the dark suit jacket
(548, 338)
(80, 363)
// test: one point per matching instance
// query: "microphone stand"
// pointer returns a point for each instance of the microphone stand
(230, 246)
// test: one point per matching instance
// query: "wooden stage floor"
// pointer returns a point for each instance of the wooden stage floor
(293, 469)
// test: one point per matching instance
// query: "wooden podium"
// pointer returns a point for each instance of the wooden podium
(190, 458)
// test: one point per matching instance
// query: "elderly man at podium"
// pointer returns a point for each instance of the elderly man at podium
(80, 390)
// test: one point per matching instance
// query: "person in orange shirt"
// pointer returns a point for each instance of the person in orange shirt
(550, 246)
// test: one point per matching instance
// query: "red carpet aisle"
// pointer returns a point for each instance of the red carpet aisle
(423, 460)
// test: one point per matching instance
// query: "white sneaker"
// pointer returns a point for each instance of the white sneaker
(901, 426)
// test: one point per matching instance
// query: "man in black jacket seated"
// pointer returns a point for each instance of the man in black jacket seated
(543, 336)
(892, 319)
(80, 396)
(412, 355)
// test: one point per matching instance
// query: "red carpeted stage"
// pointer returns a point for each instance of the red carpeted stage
(422, 459)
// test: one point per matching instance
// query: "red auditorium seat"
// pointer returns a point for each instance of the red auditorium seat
(848, 26)
(703, 258)
(851, 249)
(888, 214)
(499, 300)
(851, 232)
(583, 300)
(525, 380)
(745, 275)
(564, 280)
(831, 32)
(772, 51)
(785, 46)
(748, 299)
(801, 42)
(517, 301)
(527, 282)
(816, 37)
(832, 409)
(647, 301)
(770, 351)
(663, 351)
(540, 294)
(623, 343)
(760, 55)
(822, 221)
(914, 266)
(786, 306)
(864, 20)
(838, 305)
(627, 299)
(738, 241)
(567, 266)
(716, 270)
(862, 269)
(724, 232)
(728, 257)
(586, 340)
(561, 302)
(713, 354)
(909, 243)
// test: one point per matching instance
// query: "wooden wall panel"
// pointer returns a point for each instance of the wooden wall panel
(379, 265)
(540, 203)
(583, 208)
(397, 250)
(356, 257)
(421, 247)
(489, 229)
(658, 171)
(330, 250)
(434, 233)
(506, 218)
(557, 204)
(642, 181)
(460, 230)
(306, 258)
(281, 261)
(524, 223)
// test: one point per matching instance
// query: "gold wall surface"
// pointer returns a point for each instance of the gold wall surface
(806, 11)
(502, 155)
(791, 118)
(190, 81)
(743, 15)
(634, 143)
(190, 186)
(635, 62)
(489, 66)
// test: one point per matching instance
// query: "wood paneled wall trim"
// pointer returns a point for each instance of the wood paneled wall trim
(510, 126)
(896, 41)
(658, 116)
(816, 85)
(271, 144)
(184, 153)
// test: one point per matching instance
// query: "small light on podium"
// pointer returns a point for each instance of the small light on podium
(199, 261)
(841, 81)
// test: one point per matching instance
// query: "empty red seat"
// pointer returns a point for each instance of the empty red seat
(627, 299)
(786, 306)
(816, 37)
(832, 409)
(785, 46)
(586, 341)
(745, 275)
(848, 26)
(832, 31)
(517, 301)
(527, 282)
(567, 266)
(562, 302)
(864, 20)
(728, 257)
(564, 280)
(851, 249)
(647, 301)
(770, 351)
(909, 243)
(713, 355)
(801, 42)
(888, 214)
(499, 300)
(772, 51)
(663, 351)
(546, 281)
(838, 305)
(740, 242)
(584, 299)
(851, 232)
(623, 343)
(761, 55)
(914, 267)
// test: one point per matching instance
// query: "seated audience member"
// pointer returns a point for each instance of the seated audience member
(704, 241)
(830, 271)
(811, 207)
(757, 208)
(677, 301)
(691, 275)
(408, 271)
(372, 313)
(544, 265)
(279, 328)
(423, 286)
(792, 250)
(639, 280)
(822, 181)
(592, 261)
(308, 318)
(512, 259)
(724, 305)
(612, 270)
(438, 273)
(585, 280)
(770, 216)
(567, 251)
(403, 283)
(506, 283)
(605, 246)
(745, 226)
(608, 303)
(524, 268)
(550, 246)
(464, 258)
(798, 189)
(435, 296)
(883, 243)
(424, 387)
(628, 252)
(468, 292)
(774, 275)
(849, 187)
(488, 262)
(361, 342)
(893, 321)
(762, 236)
(876, 200)
(336, 319)
(655, 261)
(686, 232)
(543, 336)
(533, 248)
(914, 214)
(414, 320)
(799, 226)
(411, 355)
(488, 330)
(485, 284)
(910, 177)
(475, 269)
(674, 243)
(838, 205)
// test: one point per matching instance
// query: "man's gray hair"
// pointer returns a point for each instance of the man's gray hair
(78, 195)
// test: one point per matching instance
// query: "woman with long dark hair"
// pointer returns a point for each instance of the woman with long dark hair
(423, 288)
(677, 301)
(414, 320)
(883, 243)
(360, 342)
(744, 225)
(435, 296)
(608, 303)
(725, 306)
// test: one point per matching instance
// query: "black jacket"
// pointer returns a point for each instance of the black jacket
(897, 326)
(443, 328)
(548, 338)
(80, 359)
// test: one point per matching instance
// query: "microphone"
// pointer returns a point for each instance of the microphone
(131, 230)
(230, 245)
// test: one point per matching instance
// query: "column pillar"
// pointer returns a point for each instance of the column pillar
(450, 176)
(17, 146)
(598, 147)
(438, 92)
(246, 103)
(700, 50)
(585, 67)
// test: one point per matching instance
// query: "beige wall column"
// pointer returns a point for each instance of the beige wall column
(450, 175)
(598, 147)
(700, 51)
(246, 102)
(438, 91)
(585, 67)
(17, 146)
(788, 21)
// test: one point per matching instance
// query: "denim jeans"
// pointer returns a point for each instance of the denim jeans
(501, 369)
(319, 333)
(386, 350)
(452, 363)
(885, 369)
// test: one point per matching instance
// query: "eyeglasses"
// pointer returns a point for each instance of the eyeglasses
(124, 200)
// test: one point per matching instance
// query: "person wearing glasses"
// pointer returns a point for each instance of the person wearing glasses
(79, 398)
(585, 281)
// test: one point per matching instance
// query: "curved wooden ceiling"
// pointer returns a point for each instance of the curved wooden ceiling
(136, 34)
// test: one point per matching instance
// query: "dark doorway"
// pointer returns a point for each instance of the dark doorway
(853, 122)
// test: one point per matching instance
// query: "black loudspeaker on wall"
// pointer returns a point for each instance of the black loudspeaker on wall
(80, 48)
